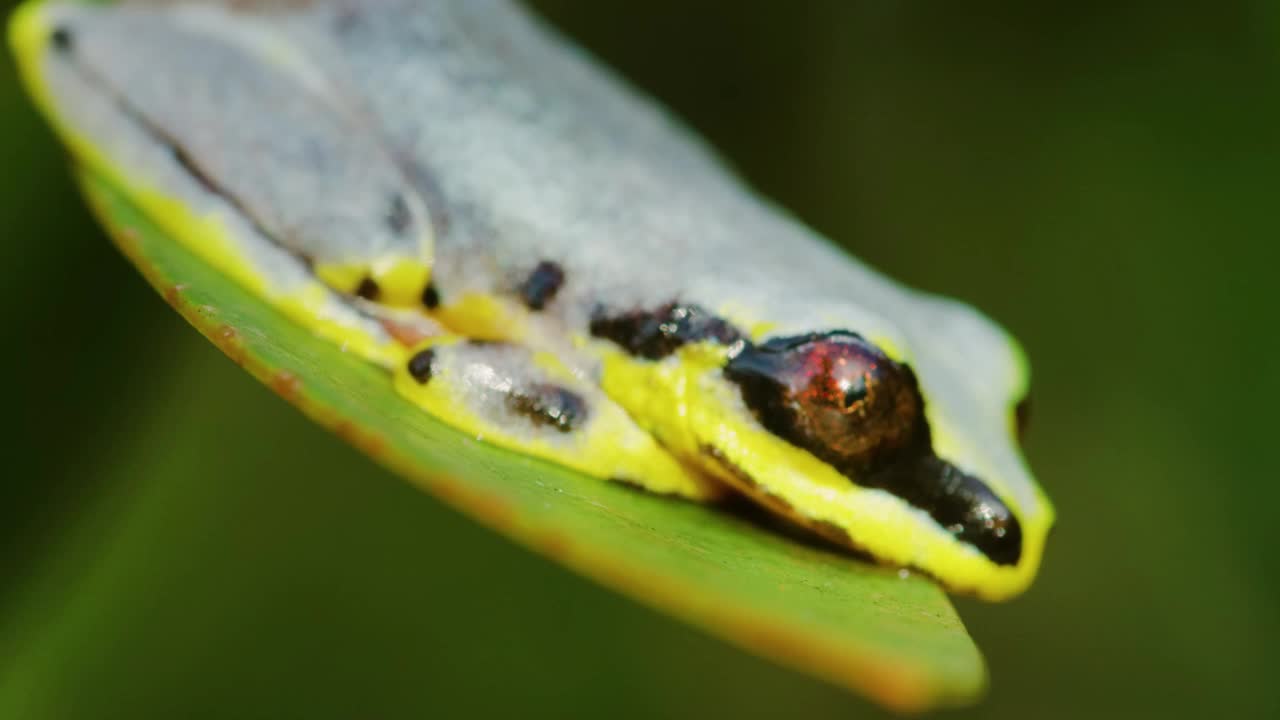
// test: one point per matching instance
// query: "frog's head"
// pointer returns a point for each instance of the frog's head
(898, 439)
(922, 410)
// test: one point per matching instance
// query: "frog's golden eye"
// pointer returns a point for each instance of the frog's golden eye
(846, 402)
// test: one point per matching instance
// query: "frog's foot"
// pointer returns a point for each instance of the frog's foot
(261, 148)
(530, 402)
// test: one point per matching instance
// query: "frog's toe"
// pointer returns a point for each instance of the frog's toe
(529, 402)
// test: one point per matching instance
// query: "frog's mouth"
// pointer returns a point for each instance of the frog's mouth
(842, 399)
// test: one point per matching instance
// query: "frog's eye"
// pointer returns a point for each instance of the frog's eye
(846, 402)
(835, 395)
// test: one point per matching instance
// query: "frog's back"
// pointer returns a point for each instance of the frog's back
(528, 154)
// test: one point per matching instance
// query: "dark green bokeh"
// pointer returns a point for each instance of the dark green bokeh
(177, 541)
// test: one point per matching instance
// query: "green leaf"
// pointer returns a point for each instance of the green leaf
(895, 639)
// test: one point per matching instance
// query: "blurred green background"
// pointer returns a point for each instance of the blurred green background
(176, 541)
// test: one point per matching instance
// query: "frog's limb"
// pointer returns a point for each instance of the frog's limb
(530, 402)
(108, 141)
(240, 114)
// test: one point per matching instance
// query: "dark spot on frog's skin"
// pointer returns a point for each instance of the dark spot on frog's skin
(655, 334)
(430, 297)
(399, 219)
(421, 365)
(842, 399)
(368, 289)
(547, 404)
(62, 39)
(542, 285)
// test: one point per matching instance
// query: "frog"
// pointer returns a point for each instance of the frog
(540, 255)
